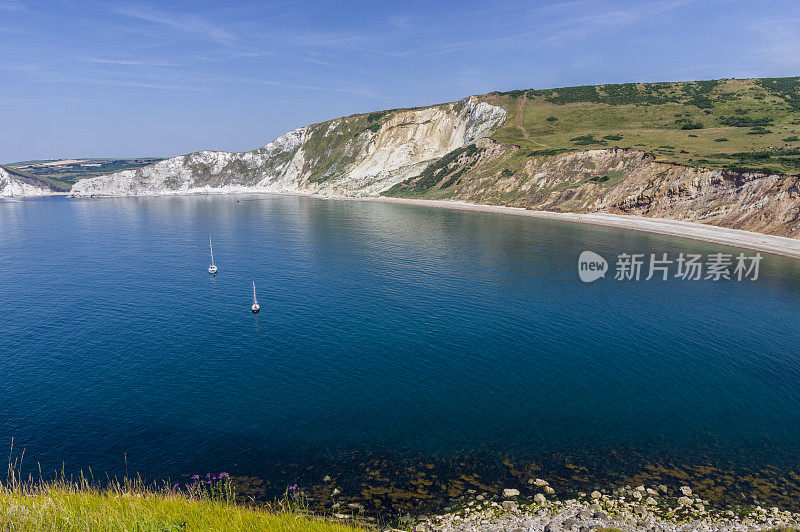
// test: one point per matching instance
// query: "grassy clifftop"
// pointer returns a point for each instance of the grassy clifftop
(64, 507)
(751, 124)
(35, 180)
(65, 173)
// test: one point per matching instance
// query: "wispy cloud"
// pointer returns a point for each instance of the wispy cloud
(127, 62)
(172, 80)
(361, 91)
(401, 22)
(181, 87)
(778, 42)
(557, 24)
(583, 27)
(11, 5)
(332, 39)
(191, 24)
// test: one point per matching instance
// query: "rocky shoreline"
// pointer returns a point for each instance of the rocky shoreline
(640, 508)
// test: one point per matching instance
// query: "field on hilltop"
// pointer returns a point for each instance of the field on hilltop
(751, 124)
(66, 172)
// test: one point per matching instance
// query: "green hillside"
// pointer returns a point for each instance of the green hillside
(69, 173)
(39, 180)
(751, 124)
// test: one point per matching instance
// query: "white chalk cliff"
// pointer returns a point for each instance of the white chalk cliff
(356, 155)
(13, 184)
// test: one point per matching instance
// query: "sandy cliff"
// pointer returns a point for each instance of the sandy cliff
(610, 181)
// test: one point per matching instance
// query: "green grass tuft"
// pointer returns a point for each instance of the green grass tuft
(60, 507)
(201, 504)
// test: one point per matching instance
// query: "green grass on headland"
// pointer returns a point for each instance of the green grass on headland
(67, 174)
(738, 124)
(43, 181)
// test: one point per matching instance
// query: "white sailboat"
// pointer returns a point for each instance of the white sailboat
(256, 307)
(213, 268)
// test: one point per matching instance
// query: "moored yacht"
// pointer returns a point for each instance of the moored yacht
(213, 268)
(256, 307)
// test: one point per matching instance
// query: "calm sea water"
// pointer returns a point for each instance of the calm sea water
(389, 328)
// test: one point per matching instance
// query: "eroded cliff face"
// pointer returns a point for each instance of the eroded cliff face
(355, 155)
(441, 152)
(612, 181)
(13, 184)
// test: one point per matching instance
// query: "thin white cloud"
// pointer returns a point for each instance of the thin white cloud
(401, 22)
(125, 62)
(188, 87)
(299, 86)
(11, 5)
(776, 42)
(556, 24)
(189, 24)
(332, 39)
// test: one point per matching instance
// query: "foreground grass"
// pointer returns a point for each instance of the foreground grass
(63, 506)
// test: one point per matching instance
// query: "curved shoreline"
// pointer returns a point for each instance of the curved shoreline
(778, 245)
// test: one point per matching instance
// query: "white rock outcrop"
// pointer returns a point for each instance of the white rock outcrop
(14, 185)
(350, 156)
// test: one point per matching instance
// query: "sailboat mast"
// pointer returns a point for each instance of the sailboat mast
(212, 249)
(255, 301)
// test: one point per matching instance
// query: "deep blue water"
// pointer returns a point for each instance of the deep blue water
(390, 328)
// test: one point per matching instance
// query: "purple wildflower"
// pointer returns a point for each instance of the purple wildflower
(195, 477)
(175, 486)
(223, 475)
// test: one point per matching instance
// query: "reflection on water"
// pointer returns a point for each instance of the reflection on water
(388, 333)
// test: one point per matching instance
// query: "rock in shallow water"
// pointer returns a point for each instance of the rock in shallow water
(511, 506)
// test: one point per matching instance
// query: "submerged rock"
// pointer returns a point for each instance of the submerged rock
(512, 506)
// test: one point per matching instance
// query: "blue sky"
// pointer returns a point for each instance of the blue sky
(146, 78)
